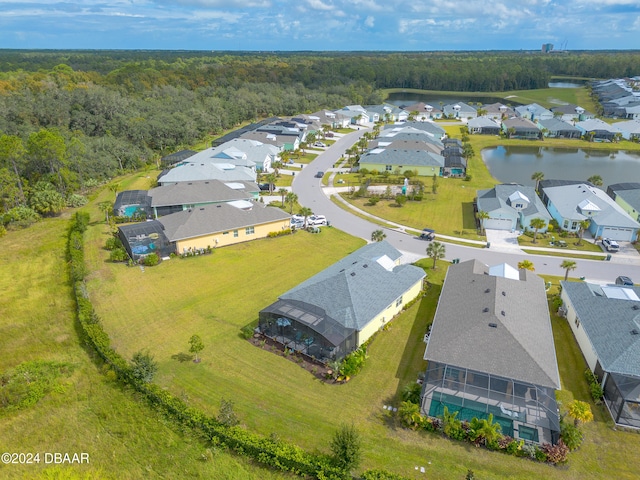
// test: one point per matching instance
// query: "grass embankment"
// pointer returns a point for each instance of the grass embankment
(85, 411)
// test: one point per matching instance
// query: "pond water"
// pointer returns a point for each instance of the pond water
(565, 85)
(404, 98)
(517, 164)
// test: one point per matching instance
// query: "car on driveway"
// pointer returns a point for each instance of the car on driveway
(610, 245)
(320, 144)
(265, 187)
(314, 220)
(320, 174)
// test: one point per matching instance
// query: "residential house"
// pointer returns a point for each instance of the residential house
(388, 113)
(459, 110)
(193, 171)
(423, 112)
(598, 130)
(418, 142)
(571, 204)
(491, 351)
(425, 163)
(518, 127)
(483, 126)
(337, 310)
(334, 119)
(242, 130)
(428, 127)
(556, 128)
(455, 164)
(223, 224)
(176, 197)
(533, 112)
(359, 115)
(498, 111)
(630, 129)
(511, 207)
(571, 113)
(627, 195)
(605, 320)
(132, 203)
(292, 134)
(175, 158)
(261, 155)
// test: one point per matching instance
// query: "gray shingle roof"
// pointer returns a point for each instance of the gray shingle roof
(608, 323)
(406, 158)
(629, 192)
(497, 199)
(557, 125)
(357, 288)
(208, 191)
(220, 217)
(520, 346)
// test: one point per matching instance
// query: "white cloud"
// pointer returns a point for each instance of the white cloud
(319, 5)
(370, 21)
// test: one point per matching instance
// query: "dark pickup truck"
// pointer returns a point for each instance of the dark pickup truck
(428, 234)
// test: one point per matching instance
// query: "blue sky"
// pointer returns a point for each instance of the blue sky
(320, 24)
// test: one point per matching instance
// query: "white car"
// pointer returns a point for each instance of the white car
(610, 245)
(317, 220)
(320, 144)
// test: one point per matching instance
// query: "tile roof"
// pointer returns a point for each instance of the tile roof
(494, 324)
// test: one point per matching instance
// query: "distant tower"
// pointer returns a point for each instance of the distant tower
(547, 47)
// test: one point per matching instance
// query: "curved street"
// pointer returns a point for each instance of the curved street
(312, 194)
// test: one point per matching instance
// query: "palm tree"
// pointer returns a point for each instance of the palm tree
(482, 216)
(435, 250)
(537, 224)
(409, 414)
(584, 225)
(105, 206)
(580, 411)
(378, 236)
(291, 198)
(568, 265)
(271, 178)
(537, 176)
(283, 192)
(526, 265)
(306, 212)
(114, 187)
(595, 180)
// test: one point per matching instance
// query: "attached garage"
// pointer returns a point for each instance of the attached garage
(620, 234)
(499, 224)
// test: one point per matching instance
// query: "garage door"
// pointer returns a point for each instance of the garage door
(620, 234)
(498, 223)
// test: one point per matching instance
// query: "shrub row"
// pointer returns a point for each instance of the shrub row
(597, 393)
(268, 451)
(279, 233)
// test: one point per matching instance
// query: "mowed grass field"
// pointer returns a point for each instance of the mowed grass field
(215, 296)
(85, 412)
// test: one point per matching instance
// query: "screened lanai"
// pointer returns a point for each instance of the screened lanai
(525, 411)
(307, 329)
(622, 396)
(142, 239)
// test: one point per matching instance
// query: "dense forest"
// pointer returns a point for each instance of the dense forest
(73, 119)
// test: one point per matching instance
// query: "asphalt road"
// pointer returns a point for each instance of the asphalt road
(310, 194)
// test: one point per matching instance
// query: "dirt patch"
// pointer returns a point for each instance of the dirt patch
(314, 367)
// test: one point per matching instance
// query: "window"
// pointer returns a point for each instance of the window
(577, 322)
(249, 231)
(388, 168)
(518, 205)
(574, 225)
(235, 234)
(225, 233)
(565, 224)
(399, 302)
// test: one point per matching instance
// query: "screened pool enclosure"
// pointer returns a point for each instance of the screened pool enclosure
(142, 239)
(524, 411)
(307, 329)
(622, 396)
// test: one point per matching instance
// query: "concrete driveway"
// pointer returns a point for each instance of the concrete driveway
(504, 240)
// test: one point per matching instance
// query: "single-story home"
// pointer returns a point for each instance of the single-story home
(388, 112)
(598, 130)
(483, 126)
(491, 351)
(630, 129)
(571, 204)
(423, 162)
(459, 110)
(455, 164)
(570, 112)
(498, 111)
(627, 195)
(359, 115)
(399, 142)
(423, 112)
(605, 321)
(533, 112)
(517, 127)
(337, 310)
(334, 119)
(177, 197)
(511, 207)
(556, 128)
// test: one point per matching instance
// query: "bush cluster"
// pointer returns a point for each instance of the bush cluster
(597, 393)
(286, 231)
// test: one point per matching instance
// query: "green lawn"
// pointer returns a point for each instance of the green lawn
(85, 412)
(215, 296)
